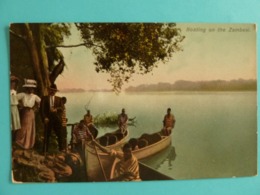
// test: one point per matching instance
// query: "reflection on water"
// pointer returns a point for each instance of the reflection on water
(210, 136)
(166, 155)
(171, 157)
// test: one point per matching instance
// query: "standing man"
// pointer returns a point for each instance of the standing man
(88, 119)
(168, 122)
(64, 121)
(51, 112)
(122, 121)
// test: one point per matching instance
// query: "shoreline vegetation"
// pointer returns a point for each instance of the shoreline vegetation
(79, 90)
(184, 85)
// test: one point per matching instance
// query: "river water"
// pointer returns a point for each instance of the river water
(215, 133)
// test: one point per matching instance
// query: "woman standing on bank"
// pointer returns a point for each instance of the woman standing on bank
(25, 137)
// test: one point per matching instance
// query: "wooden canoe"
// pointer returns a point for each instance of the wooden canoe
(153, 144)
(143, 147)
(94, 156)
(147, 173)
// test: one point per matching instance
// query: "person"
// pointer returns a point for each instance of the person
(79, 135)
(122, 121)
(128, 166)
(168, 122)
(88, 119)
(25, 137)
(51, 113)
(89, 122)
(15, 117)
(64, 121)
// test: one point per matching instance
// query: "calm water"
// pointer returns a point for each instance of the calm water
(214, 136)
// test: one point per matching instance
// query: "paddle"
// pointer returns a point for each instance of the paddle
(100, 163)
(102, 168)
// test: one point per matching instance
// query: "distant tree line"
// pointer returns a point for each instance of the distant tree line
(214, 85)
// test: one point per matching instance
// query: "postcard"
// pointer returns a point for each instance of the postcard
(102, 102)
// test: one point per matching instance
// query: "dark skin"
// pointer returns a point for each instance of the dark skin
(168, 112)
(127, 151)
(127, 154)
(123, 111)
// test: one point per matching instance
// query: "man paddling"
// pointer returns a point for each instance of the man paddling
(128, 164)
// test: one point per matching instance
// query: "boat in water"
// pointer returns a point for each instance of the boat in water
(96, 161)
(100, 164)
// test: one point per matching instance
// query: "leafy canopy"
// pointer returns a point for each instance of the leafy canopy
(122, 49)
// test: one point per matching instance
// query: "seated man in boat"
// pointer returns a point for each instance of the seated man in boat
(168, 122)
(79, 135)
(122, 121)
(128, 166)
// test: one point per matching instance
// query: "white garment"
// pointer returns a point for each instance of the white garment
(28, 100)
(15, 118)
(52, 101)
(13, 98)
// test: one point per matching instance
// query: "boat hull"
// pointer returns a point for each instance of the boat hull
(97, 160)
(98, 163)
(152, 149)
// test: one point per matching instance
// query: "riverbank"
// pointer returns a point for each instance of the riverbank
(30, 166)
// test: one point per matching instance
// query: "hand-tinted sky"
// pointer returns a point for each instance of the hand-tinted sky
(210, 52)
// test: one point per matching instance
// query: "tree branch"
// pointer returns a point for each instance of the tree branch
(69, 46)
(17, 35)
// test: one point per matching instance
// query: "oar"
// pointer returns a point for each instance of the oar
(100, 163)
(102, 168)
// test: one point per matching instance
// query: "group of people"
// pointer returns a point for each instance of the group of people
(53, 113)
(23, 120)
(23, 106)
(82, 130)
(128, 166)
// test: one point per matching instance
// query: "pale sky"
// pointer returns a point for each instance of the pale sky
(227, 52)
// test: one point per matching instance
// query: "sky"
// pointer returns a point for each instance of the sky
(210, 52)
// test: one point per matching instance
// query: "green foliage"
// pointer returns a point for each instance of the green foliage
(122, 49)
(106, 119)
(110, 119)
(54, 35)
(47, 35)
(214, 85)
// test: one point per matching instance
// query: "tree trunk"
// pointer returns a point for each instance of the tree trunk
(36, 60)
(44, 60)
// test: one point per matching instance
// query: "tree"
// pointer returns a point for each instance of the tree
(30, 55)
(121, 49)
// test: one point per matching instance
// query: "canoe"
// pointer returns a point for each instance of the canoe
(149, 144)
(113, 140)
(149, 174)
(143, 147)
(146, 172)
(166, 155)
